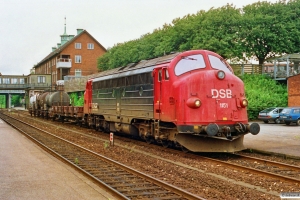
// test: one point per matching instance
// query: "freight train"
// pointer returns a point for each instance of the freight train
(190, 100)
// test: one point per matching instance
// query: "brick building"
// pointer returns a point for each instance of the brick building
(294, 90)
(74, 56)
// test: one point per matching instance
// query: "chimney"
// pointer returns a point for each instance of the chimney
(58, 45)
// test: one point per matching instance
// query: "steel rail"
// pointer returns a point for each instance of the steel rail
(270, 174)
(178, 191)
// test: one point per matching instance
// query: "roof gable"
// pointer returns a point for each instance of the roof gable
(62, 47)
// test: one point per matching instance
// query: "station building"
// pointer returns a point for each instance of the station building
(75, 56)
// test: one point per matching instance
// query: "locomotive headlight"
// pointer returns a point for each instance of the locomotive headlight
(221, 74)
(197, 103)
(244, 103)
(193, 102)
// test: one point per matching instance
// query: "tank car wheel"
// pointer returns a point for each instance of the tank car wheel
(165, 143)
(149, 140)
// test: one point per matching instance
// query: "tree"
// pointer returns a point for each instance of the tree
(260, 30)
(293, 24)
(265, 30)
(2, 101)
(217, 31)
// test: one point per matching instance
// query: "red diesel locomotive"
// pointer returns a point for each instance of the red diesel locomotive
(191, 100)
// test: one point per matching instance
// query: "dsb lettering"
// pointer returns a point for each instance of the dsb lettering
(222, 93)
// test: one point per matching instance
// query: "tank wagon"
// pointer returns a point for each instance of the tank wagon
(49, 104)
(191, 100)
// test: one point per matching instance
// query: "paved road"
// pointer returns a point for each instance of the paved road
(278, 138)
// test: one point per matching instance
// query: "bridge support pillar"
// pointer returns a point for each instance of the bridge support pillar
(8, 100)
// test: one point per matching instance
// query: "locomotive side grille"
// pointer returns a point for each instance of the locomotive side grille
(129, 97)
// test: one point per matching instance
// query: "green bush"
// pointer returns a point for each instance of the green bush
(263, 92)
(2, 101)
(77, 98)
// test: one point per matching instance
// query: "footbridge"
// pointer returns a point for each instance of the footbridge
(23, 85)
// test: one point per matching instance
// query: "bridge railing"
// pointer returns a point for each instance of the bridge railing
(277, 72)
(25, 86)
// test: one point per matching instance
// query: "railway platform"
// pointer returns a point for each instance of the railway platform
(28, 172)
(276, 139)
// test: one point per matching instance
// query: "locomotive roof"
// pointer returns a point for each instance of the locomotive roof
(134, 68)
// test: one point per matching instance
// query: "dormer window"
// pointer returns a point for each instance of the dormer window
(77, 45)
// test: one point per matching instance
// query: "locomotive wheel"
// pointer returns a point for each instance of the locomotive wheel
(149, 140)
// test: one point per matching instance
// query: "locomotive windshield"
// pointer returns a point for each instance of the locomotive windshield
(217, 63)
(189, 63)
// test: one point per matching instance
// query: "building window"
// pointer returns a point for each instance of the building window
(6, 81)
(14, 81)
(41, 79)
(77, 45)
(90, 46)
(77, 72)
(77, 59)
(22, 81)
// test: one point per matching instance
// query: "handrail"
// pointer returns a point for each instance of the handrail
(26, 85)
(277, 72)
(64, 60)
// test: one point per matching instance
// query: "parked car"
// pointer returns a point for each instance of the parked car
(290, 115)
(270, 115)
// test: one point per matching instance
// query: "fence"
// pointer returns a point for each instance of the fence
(277, 72)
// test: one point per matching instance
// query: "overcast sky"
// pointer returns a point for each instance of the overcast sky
(30, 28)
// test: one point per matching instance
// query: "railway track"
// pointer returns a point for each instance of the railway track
(264, 167)
(220, 167)
(282, 171)
(123, 182)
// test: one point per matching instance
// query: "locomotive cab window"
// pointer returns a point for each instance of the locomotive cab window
(163, 74)
(189, 63)
(159, 75)
(166, 74)
(217, 63)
